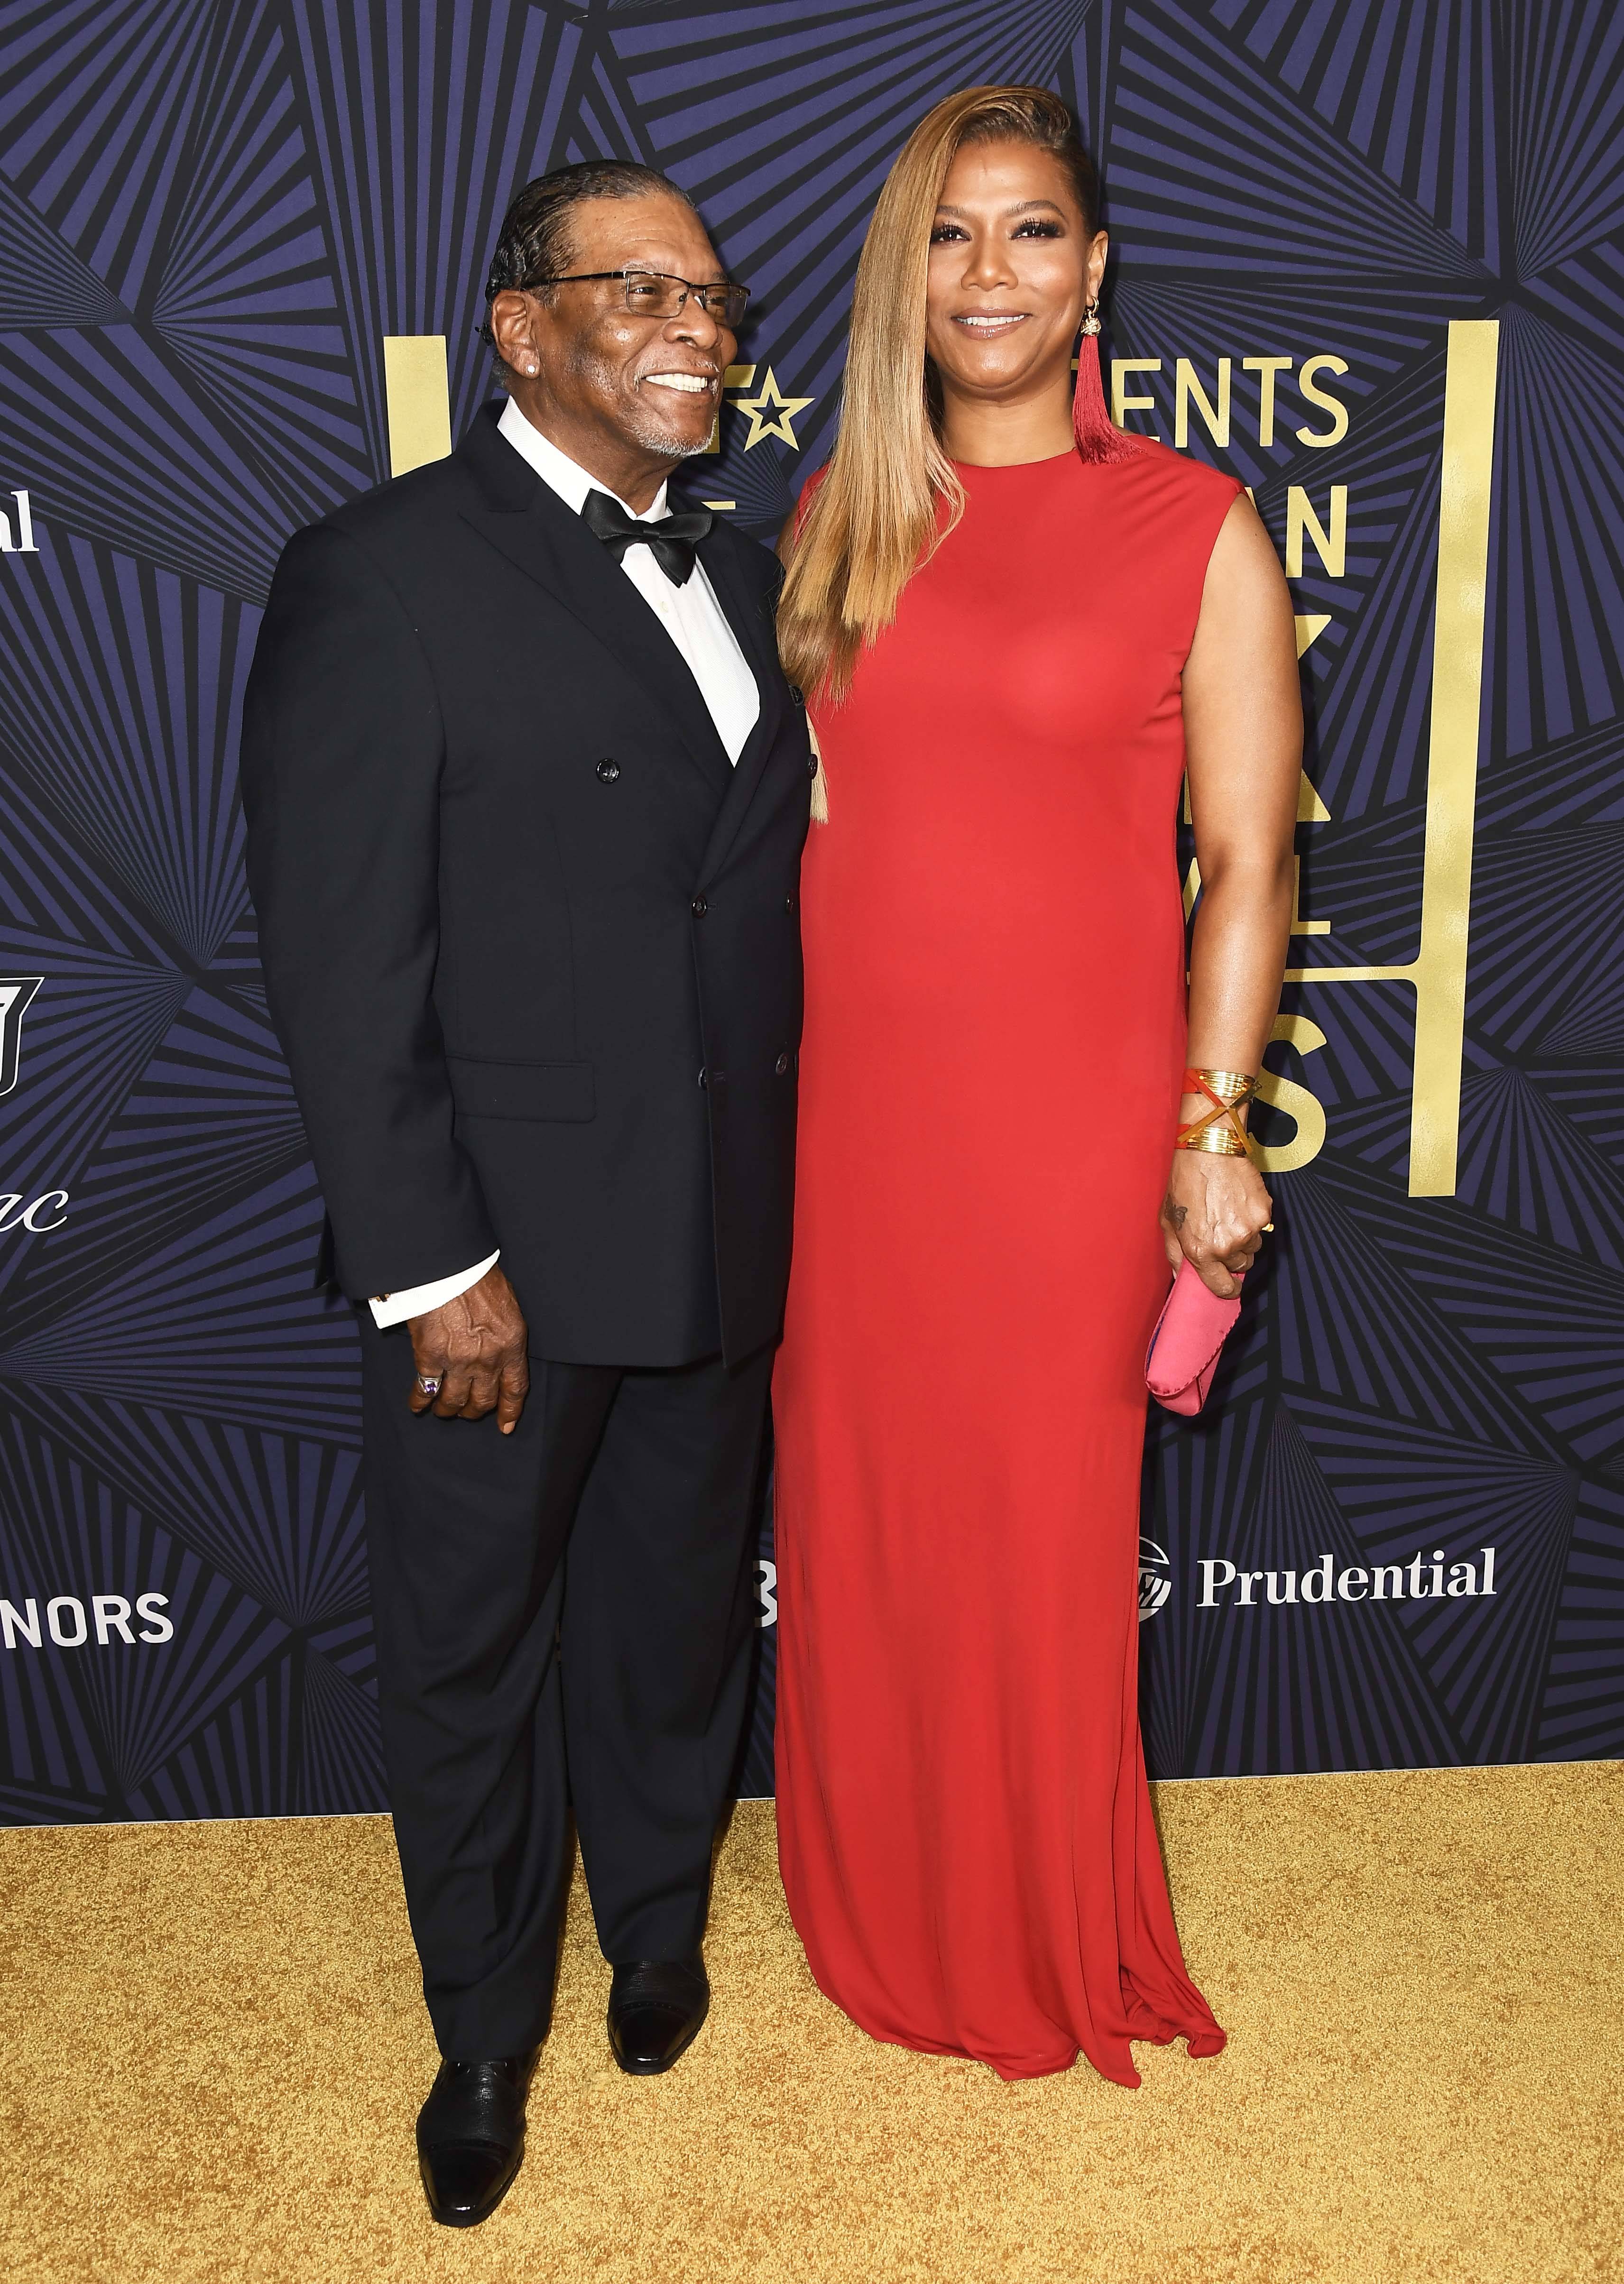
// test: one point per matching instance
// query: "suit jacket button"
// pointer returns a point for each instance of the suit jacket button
(608, 769)
(704, 1076)
(699, 908)
(781, 1065)
(811, 765)
(796, 692)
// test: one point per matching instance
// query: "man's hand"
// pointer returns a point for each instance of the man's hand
(1213, 1216)
(474, 1347)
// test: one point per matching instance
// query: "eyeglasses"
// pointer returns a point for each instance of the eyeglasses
(651, 293)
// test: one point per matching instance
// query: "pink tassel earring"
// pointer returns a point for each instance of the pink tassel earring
(1096, 437)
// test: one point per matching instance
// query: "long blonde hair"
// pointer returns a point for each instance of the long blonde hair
(875, 517)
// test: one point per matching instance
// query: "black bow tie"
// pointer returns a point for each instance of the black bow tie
(673, 539)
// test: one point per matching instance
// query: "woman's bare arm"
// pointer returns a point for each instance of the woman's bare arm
(1243, 731)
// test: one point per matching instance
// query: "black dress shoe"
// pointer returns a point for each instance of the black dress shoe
(656, 2007)
(470, 2137)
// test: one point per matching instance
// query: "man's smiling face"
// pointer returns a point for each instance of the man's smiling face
(648, 384)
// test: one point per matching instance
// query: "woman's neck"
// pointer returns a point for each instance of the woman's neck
(987, 435)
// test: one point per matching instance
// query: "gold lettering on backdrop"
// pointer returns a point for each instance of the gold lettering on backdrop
(1439, 969)
(1266, 368)
(417, 394)
(1310, 809)
(1187, 387)
(1300, 926)
(1330, 546)
(771, 413)
(1120, 401)
(418, 398)
(1320, 438)
(737, 376)
(1285, 1095)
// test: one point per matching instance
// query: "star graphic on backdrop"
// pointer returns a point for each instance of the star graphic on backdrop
(771, 413)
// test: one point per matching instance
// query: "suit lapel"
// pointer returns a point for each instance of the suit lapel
(749, 616)
(533, 529)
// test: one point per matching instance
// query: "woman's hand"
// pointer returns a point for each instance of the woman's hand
(1213, 1216)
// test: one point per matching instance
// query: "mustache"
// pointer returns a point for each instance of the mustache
(703, 370)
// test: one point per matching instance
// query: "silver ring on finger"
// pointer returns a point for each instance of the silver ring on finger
(429, 1382)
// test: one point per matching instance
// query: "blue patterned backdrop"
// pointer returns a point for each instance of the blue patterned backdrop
(213, 212)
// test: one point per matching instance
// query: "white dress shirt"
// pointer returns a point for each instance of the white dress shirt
(698, 625)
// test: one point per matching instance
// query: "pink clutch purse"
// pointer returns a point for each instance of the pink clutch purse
(1187, 1341)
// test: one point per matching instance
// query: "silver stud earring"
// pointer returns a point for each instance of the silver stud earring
(531, 366)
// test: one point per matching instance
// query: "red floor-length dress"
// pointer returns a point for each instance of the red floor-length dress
(990, 1080)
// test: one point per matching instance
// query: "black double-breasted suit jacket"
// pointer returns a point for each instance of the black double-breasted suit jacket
(532, 944)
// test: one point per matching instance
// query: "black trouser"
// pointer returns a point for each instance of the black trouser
(561, 1612)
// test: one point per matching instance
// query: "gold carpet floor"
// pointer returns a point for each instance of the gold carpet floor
(214, 2049)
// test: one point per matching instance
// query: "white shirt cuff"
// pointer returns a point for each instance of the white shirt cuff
(417, 1300)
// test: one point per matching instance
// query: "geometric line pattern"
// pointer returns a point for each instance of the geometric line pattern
(212, 212)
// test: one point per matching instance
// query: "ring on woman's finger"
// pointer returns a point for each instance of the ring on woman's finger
(429, 1382)
(1267, 1229)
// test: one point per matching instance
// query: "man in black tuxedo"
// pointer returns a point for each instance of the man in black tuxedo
(527, 793)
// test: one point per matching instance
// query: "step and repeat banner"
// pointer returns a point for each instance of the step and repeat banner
(1368, 257)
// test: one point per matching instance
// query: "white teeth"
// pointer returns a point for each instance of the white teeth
(991, 323)
(691, 384)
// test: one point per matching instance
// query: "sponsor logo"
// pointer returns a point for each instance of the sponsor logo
(17, 539)
(70, 1622)
(1155, 1577)
(1426, 1577)
(16, 991)
(47, 1211)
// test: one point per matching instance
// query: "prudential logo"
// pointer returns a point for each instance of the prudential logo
(1154, 1578)
(1432, 1577)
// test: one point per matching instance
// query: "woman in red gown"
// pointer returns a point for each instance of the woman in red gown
(1016, 639)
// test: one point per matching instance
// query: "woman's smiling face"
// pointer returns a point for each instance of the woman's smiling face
(1013, 267)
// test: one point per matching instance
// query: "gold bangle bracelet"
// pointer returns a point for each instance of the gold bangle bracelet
(1232, 1086)
(1216, 1141)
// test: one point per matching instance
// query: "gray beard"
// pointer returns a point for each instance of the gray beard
(644, 429)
